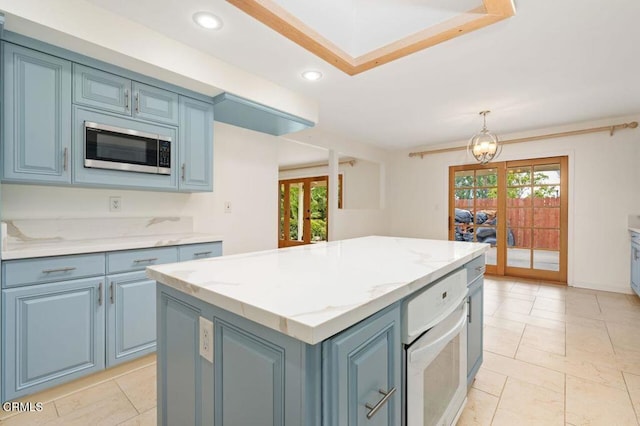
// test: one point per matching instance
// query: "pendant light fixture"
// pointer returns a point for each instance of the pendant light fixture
(484, 145)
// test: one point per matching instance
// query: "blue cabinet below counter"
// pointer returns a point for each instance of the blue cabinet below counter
(64, 317)
(635, 262)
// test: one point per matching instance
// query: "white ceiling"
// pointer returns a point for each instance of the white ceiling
(555, 62)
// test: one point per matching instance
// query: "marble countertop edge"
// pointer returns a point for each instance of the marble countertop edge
(24, 250)
(636, 230)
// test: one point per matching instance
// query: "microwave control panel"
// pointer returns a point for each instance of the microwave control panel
(164, 154)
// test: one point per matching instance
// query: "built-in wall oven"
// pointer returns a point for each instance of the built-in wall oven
(114, 148)
(435, 353)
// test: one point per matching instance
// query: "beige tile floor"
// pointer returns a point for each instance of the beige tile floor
(123, 395)
(553, 355)
(556, 356)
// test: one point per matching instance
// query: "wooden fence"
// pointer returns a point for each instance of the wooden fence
(534, 222)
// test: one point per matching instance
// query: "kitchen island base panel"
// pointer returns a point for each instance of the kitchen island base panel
(259, 376)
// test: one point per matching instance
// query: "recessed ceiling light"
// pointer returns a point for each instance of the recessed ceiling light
(312, 75)
(207, 20)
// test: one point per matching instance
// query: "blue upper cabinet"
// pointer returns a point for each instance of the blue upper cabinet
(37, 115)
(110, 92)
(151, 103)
(99, 89)
(196, 145)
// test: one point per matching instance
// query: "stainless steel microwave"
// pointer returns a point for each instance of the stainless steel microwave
(109, 147)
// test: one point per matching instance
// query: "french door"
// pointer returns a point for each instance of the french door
(520, 209)
(303, 217)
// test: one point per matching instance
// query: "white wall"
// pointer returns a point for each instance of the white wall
(245, 173)
(361, 214)
(603, 190)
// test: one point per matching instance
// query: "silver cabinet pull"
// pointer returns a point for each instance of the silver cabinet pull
(480, 269)
(151, 259)
(52, 271)
(202, 253)
(126, 99)
(65, 159)
(111, 292)
(184, 166)
(100, 294)
(137, 103)
(469, 312)
(374, 409)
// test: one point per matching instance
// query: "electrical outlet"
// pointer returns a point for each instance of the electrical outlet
(206, 339)
(115, 204)
(227, 206)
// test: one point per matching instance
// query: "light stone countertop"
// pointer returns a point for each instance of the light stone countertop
(636, 230)
(23, 250)
(315, 291)
(27, 238)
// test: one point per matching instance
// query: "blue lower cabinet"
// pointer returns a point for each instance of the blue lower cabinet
(262, 377)
(474, 328)
(257, 376)
(635, 262)
(131, 317)
(360, 363)
(53, 333)
(73, 325)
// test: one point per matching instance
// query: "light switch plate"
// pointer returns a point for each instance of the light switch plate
(206, 339)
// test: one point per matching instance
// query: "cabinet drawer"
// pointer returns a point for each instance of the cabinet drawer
(635, 237)
(475, 268)
(137, 260)
(49, 269)
(199, 251)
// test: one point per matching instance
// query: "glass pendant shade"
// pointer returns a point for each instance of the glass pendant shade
(484, 145)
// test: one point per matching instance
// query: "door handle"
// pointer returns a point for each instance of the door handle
(65, 159)
(111, 292)
(375, 408)
(126, 99)
(469, 310)
(100, 294)
(184, 167)
(137, 103)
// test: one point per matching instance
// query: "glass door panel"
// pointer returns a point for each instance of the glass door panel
(476, 209)
(318, 210)
(535, 211)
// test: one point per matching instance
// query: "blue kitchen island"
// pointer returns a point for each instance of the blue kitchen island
(309, 335)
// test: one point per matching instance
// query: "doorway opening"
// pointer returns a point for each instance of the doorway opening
(303, 212)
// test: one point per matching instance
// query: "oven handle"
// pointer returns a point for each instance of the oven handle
(419, 354)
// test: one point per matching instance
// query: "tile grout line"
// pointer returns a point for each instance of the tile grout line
(630, 399)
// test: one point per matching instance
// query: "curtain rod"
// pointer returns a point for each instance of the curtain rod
(610, 129)
(351, 162)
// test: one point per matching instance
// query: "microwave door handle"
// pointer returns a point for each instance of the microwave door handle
(420, 354)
